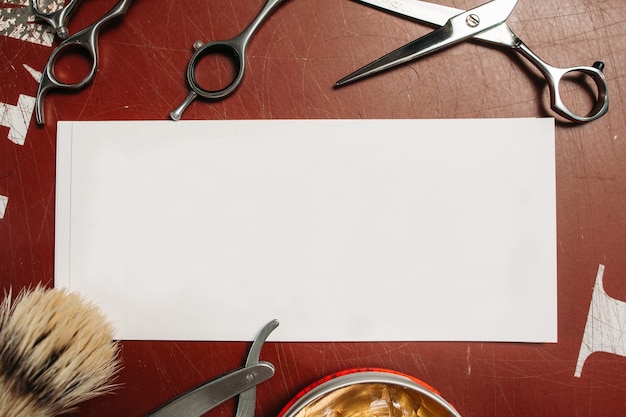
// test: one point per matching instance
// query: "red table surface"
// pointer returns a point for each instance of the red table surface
(294, 61)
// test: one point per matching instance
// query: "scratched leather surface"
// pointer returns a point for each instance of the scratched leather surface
(294, 61)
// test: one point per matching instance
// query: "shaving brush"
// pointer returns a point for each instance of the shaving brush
(56, 351)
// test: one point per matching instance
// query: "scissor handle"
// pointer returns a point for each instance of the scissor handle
(555, 75)
(49, 80)
(57, 19)
(233, 48)
(86, 40)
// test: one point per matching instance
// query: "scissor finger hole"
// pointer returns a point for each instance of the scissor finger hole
(72, 65)
(579, 93)
(217, 69)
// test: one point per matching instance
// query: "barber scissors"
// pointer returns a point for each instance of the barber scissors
(235, 48)
(86, 39)
(484, 23)
(243, 381)
(57, 19)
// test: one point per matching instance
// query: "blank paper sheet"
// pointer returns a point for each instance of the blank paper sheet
(343, 230)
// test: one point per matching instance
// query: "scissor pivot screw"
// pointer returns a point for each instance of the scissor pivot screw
(472, 20)
(62, 33)
(250, 377)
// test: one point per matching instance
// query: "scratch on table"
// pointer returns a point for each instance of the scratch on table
(181, 354)
(87, 101)
(165, 379)
(468, 360)
(48, 206)
(291, 376)
(504, 396)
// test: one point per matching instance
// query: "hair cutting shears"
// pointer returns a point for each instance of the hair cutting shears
(235, 48)
(87, 40)
(243, 381)
(484, 23)
(57, 19)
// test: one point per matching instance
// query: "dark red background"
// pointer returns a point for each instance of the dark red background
(294, 61)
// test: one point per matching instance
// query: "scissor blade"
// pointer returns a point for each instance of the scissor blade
(438, 15)
(413, 50)
(458, 28)
(423, 11)
(247, 400)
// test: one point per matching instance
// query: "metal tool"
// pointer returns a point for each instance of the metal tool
(57, 19)
(87, 40)
(247, 399)
(235, 48)
(243, 381)
(484, 23)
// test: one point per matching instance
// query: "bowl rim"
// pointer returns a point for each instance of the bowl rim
(355, 376)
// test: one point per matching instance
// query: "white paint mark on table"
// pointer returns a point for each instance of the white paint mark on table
(4, 200)
(33, 72)
(17, 118)
(19, 23)
(605, 330)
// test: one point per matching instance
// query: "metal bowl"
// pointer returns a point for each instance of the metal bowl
(369, 393)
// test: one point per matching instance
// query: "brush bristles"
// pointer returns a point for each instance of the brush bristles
(56, 351)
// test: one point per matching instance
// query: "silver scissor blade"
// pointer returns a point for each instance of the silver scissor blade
(458, 28)
(438, 15)
(423, 11)
(412, 50)
(247, 399)
(255, 350)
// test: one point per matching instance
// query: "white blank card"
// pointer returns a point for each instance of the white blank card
(343, 230)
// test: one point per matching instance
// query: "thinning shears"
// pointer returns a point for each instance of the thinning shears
(87, 40)
(243, 381)
(484, 23)
(235, 48)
